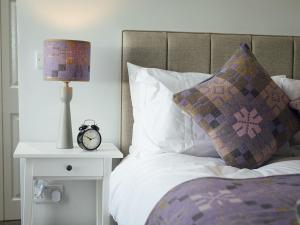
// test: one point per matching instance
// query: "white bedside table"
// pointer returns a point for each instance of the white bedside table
(45, 160)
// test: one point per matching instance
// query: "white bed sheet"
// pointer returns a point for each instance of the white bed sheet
(139, 182)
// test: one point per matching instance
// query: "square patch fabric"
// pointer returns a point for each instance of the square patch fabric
(244, 112)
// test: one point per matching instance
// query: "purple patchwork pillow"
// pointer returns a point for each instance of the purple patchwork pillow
(244, 112)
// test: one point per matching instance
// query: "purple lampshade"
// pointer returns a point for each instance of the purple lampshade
(67, 60)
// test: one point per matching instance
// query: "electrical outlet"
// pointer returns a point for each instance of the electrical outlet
(50, 194)
(39, 60)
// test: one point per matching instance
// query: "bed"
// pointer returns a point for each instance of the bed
(139, 183)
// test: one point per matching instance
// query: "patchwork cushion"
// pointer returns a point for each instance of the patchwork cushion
(244, 112)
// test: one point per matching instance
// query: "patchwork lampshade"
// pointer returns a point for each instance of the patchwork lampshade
(66, 60)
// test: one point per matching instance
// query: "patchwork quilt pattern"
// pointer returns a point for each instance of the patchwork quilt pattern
(244, 112)
(218, 201)
(67, 60)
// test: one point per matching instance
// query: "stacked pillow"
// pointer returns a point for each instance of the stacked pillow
(243, 111)
(295, 104)
(292, 88)
(159, 125)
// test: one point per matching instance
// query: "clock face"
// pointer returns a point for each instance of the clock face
(91, 139)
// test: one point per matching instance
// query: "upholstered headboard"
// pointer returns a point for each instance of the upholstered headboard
(199, 52)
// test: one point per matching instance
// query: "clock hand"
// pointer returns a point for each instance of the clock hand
(88, 137)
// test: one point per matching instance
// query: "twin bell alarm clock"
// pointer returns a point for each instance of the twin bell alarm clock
(89, 137)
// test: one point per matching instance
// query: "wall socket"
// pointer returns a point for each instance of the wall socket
(39, 60)
(51, 193)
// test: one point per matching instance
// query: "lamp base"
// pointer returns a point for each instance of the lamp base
(65, 137)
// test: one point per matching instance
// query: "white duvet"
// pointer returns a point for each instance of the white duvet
(138, 183)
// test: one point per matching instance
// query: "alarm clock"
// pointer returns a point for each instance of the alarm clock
(89, 137)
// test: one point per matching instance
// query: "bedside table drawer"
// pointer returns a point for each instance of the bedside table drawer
(68, 167)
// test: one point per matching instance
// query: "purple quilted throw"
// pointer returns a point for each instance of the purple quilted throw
(217, 201)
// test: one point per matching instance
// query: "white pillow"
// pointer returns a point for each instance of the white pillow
(159, 125)
(292, 88)
(278, 79)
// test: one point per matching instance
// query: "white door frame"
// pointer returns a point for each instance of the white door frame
(9, 110)
(1, 130)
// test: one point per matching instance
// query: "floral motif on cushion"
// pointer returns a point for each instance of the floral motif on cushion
(244, 112)
(248, 123)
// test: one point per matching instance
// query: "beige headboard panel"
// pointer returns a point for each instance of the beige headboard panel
(199, 52)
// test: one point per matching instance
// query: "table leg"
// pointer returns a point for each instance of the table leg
(103, 216)
(27, 197)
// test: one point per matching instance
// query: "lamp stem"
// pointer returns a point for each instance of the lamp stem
(65, 137)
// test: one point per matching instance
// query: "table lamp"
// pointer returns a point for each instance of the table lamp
(66, 61)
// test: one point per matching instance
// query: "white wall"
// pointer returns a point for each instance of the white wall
(101, 22)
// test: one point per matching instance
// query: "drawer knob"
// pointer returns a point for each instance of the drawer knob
(69, 167)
